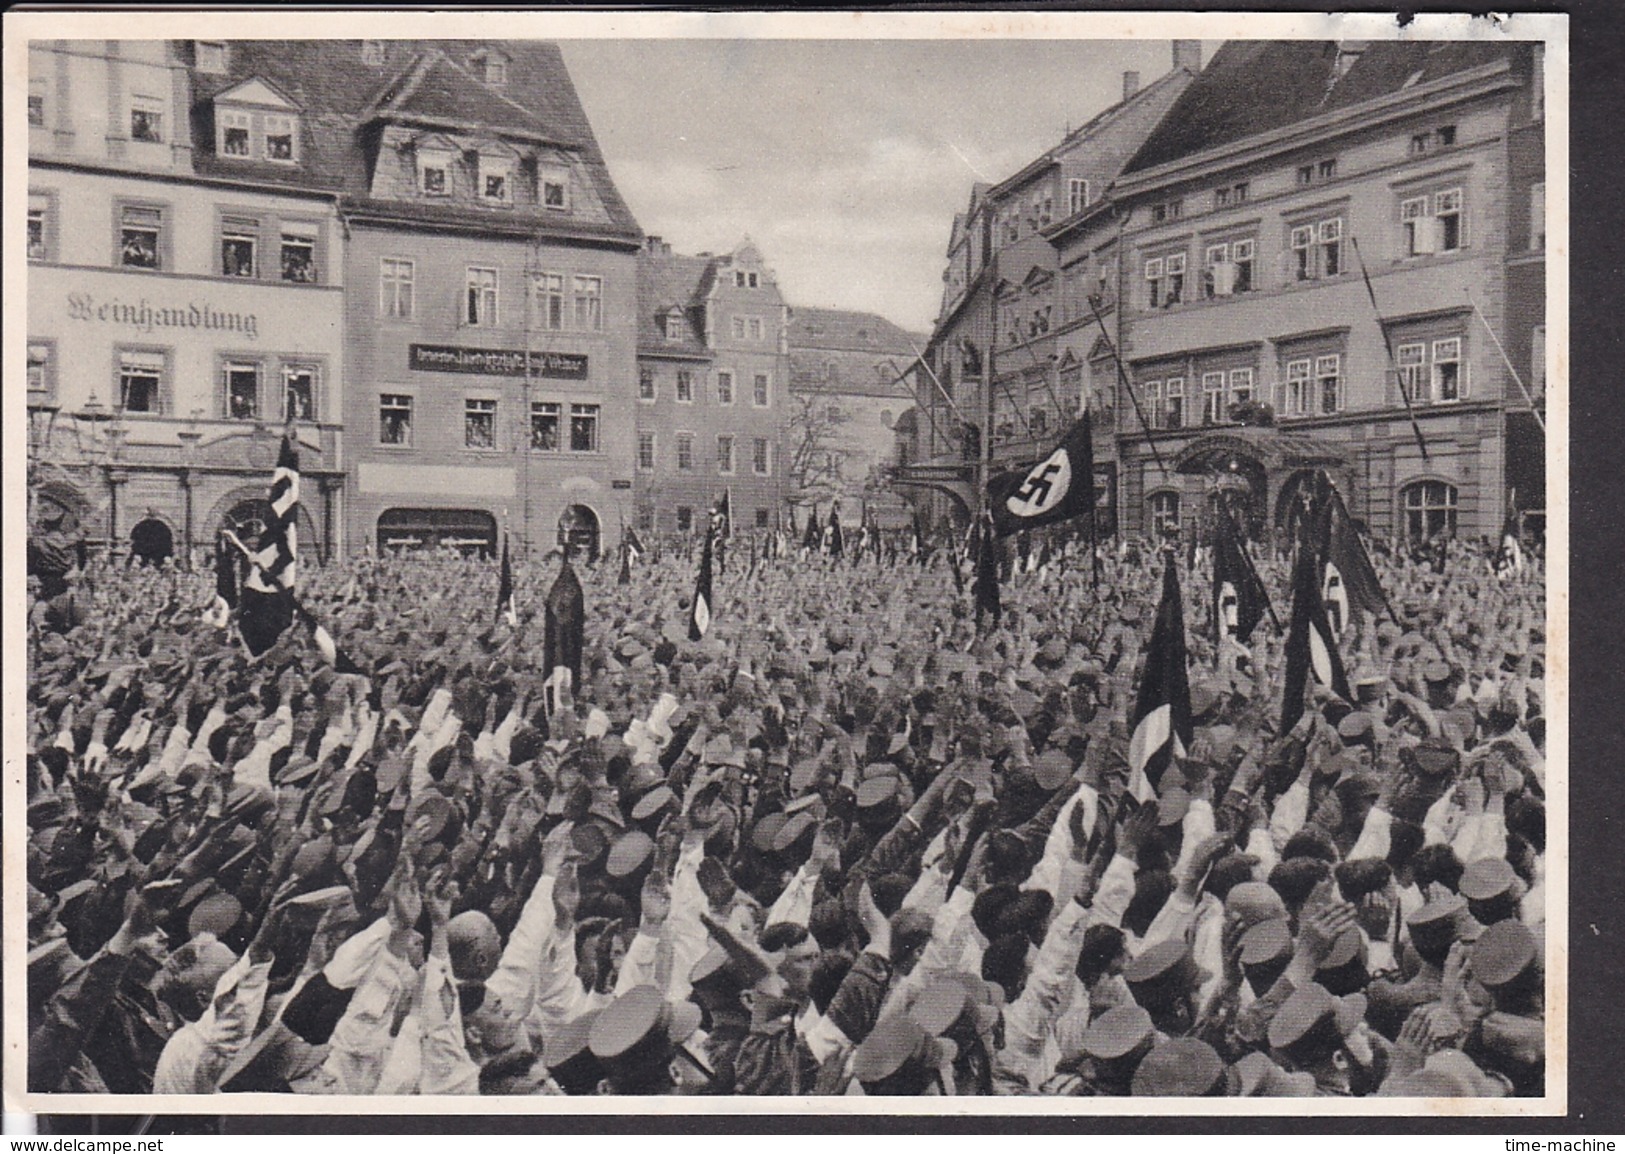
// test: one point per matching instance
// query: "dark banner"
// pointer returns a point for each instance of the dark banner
(497, 362)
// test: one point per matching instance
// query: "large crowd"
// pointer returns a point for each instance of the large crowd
(848, 843)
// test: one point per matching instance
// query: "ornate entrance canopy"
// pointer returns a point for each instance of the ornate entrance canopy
(1277, 451)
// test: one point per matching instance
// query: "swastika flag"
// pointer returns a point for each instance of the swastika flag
(1058, 488)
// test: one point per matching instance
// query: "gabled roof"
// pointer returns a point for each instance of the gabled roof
(1254, 87)
(666, 282)
(844, 330)
(440, 92)
(259, 92)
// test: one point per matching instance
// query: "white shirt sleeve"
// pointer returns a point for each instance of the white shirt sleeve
(1291, 811)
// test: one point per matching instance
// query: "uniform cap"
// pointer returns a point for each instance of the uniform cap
(1254, 902)
(1262, 1078)
(1266, 942)
(1486, 879)
(1308, 1007)
(877, 791)
(940, 1005)
(888, 1047)
(792, 830)
(652, 803)
(766, 831)
(631, 851)
(217, 914)
(1117, 1032)
(628, 1021)
(1503, 952)
(1166, 959)
(1178, 1068)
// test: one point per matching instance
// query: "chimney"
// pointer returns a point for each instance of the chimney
(653, 243)
(1131, 84)
(1188, 54)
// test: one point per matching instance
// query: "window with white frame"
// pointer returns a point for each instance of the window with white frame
(545, 418)
(1317, 249)
(41, 375)
(141, 381)
(1537, 216)
(479, 423)
(298, 392)
(1228, 268)
(761, 390)
(299, 252)
(685, 387)
(1077, 195)
(140, 236)
(395, 419)
(646, 383)
(1213, 407)
(234, 128)
(1328, 383)
(1429, 510)
(1298, 387)
(725, 454)
(737, 328)
(281, 137)
(1173, 403)
(434, 172)
(1432, 371)
(1412, 359)
(646, 451)
(239, 247)
(147, 120)
(762, 457)
(481, 297)
(1151, 397)
(1230, 194)
(241, 382)
(1164, 513)
(1433, 224)
(496, 180)
(1241, 387)
(674, 326)
(725, 387)
(685, 452)
(584, 421)
(589, 303)
(395, 288)
(547, 301)
(1448, 374)
(39, 226)
(1155, 278)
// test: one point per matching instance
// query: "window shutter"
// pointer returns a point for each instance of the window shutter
(1427, 235)
(1224, 278)
(1463, 386)
(1462, 236)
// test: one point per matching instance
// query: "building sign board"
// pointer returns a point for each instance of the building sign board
(497, 362)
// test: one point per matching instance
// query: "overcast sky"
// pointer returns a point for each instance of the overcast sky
(843, 160)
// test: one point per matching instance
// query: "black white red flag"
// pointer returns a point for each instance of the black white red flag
(1160, 726)
(1058, 488)
(266, 601)
(1239, 597)
(986, 590)
(565, 620)
(1311, 644)
(1348, 578)
(699, 616)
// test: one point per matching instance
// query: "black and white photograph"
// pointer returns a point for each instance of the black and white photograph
(768, 563)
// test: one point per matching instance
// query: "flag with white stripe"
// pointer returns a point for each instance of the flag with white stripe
(1160, 725)
(565, 619)
(218, 613)
(267, 598)
(699, 618)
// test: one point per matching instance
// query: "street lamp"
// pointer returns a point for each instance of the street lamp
(189, 438)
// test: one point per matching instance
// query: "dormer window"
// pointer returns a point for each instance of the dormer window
(746, 279)
(279, 138)
(496, 70)
(674, 325)
(374, 52)
(210, 55)
(554, 184)
(434, 173)
(496, 180)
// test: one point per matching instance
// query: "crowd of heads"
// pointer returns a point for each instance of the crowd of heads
(848, 843)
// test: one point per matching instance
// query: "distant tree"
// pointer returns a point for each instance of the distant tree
(817, 461)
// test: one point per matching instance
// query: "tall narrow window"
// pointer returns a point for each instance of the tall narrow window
(1331, 246)
(1077, 196)
(481, 297)
(147, 121)
(299, 392)
(1241, 387)
(589, 302)
(1447, 210)
(1174, 403)
(685, 452)
(555, 185)
(394, 419)
(1418, 226)
(140, 230)
(1295, 397)
(496, 181)
(1154, 282)
(239, 244)
(725, 454)
(479, 423)
(395, 288)
(141, 379)
(646, 383)
(584, 428)
(544, 426)
(685, 387)
(299, 253)
(762, 457)
(738, 328)
(39, 209)
(1329, 383)
(242, 383)
(547, 300)
(646, 451)
(725, 387)
(1164, 514)
(1176, 279)
(1447, 382)
(755, 328)
(1212, 398)
(1412, 361)
(761, 391)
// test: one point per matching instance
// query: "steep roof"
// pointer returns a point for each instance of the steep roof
(843, 330)
(1253, 87)
(666, 281)
(424, 82)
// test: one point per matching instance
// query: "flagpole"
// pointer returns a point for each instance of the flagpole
(1388, 347)
(1506, 360)
(1122, 375)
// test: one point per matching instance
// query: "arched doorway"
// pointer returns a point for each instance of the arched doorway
(151, 542)
(578, 532)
